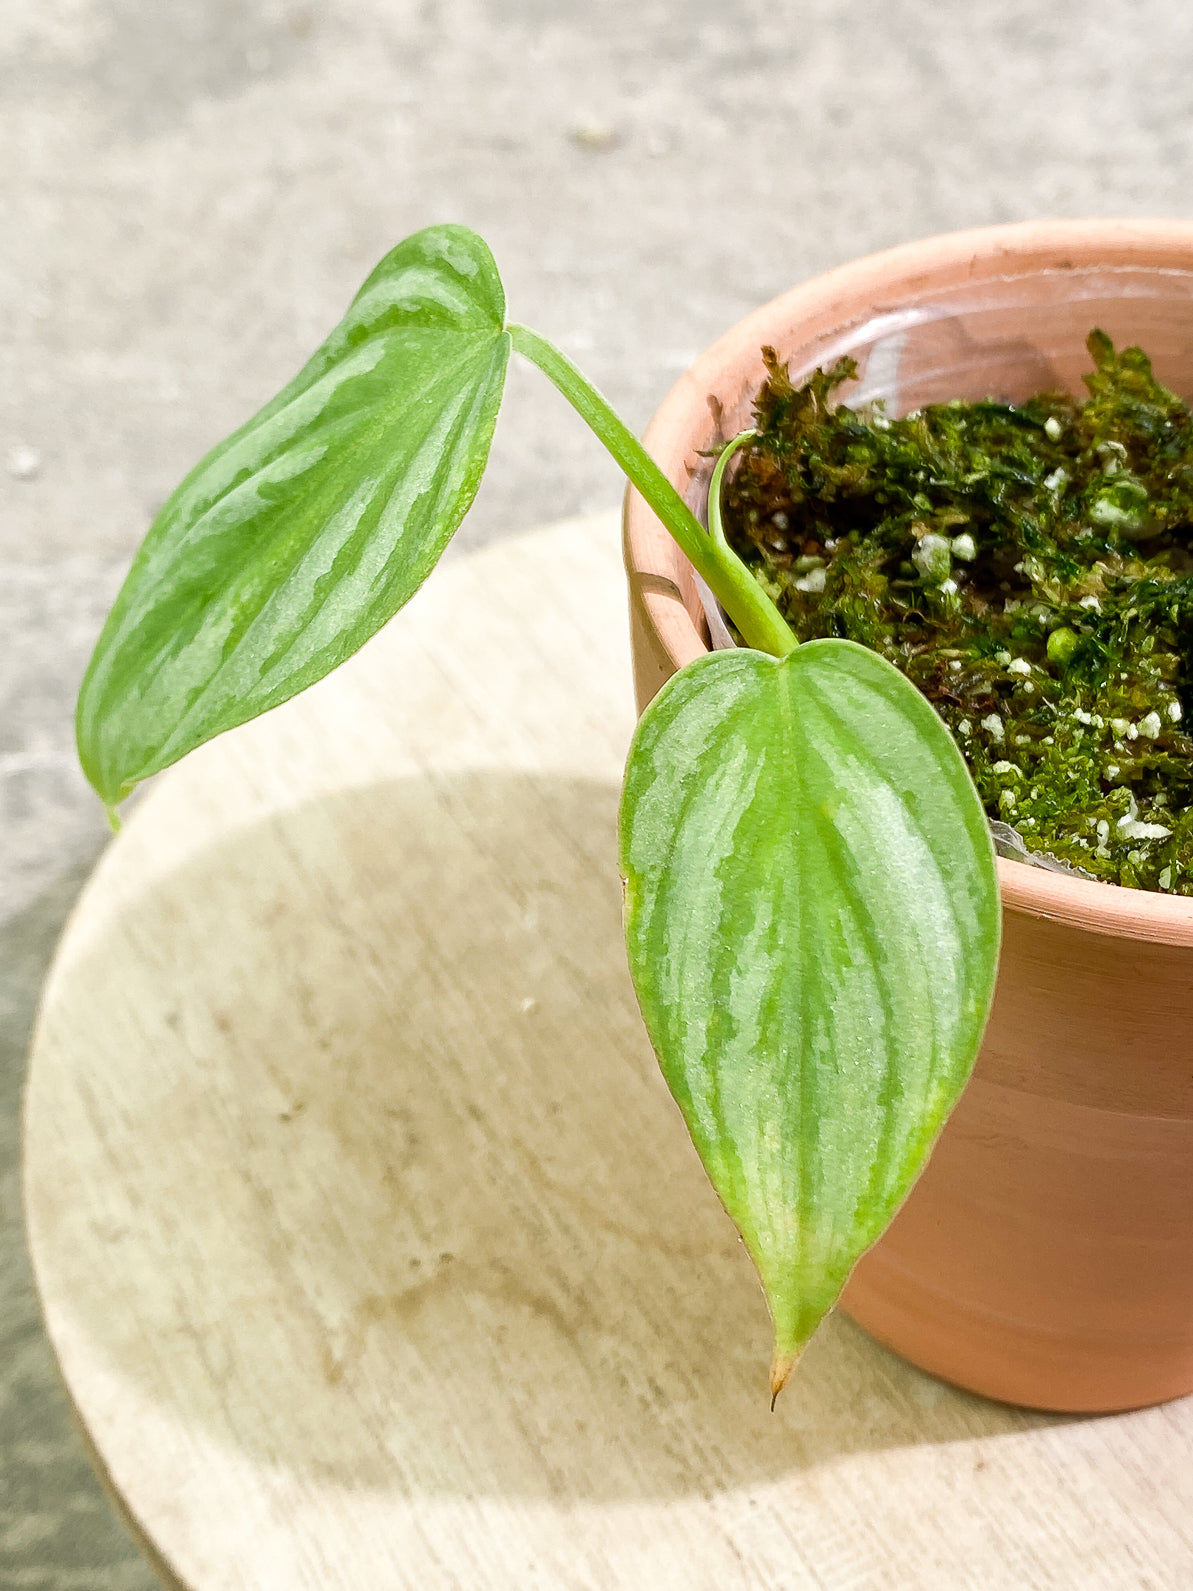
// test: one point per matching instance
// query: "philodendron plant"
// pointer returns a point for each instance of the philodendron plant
(811, 908)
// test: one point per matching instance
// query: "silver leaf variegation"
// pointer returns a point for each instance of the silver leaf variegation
(300, 535)
(812, 919)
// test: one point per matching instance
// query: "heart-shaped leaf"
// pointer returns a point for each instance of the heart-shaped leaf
(812, 918)
(299, 536)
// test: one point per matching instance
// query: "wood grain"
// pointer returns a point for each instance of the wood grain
(371, 1245)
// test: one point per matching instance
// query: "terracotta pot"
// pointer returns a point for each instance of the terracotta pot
(1045, 1257)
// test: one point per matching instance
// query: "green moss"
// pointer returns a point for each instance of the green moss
(1029, 567)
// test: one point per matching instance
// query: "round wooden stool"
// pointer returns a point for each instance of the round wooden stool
(372, 1247)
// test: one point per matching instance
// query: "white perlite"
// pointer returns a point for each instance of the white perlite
(1130, 828)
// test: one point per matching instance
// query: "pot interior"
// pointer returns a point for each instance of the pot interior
(1005, 337)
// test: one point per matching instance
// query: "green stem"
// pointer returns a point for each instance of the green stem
(716, 527)
(758, 620)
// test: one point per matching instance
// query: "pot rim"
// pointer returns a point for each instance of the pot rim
(827, 305)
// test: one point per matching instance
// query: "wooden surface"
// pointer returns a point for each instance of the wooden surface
(372, 1247)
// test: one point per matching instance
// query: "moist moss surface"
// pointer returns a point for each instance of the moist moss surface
(1030, 568)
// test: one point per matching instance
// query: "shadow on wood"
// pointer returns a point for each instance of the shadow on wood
(369, 1172)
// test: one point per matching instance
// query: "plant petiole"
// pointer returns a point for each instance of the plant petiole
(747, 604)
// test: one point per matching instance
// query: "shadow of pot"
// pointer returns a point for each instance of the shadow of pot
(1045, 1257)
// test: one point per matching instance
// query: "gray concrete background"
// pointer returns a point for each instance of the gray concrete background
(190, 191)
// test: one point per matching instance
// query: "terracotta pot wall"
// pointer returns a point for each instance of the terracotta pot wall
(1046, 1254)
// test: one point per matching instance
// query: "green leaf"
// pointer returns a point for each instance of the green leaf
(306, 530)
(812, 918)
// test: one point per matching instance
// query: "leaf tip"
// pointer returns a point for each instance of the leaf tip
(780, 1370)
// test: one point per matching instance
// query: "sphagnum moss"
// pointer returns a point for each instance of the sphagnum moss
(1029, 567)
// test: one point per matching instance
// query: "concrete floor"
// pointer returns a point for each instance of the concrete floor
(190, 190)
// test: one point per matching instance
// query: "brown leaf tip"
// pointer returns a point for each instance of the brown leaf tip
(781, 1367)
